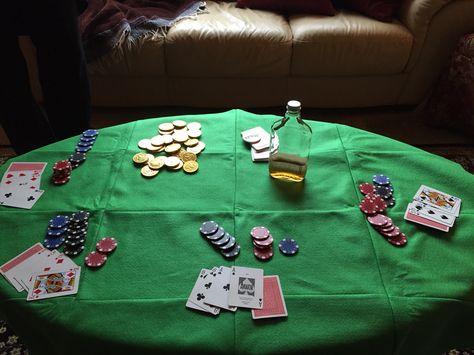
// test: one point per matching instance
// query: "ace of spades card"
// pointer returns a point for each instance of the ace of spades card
(246, 287)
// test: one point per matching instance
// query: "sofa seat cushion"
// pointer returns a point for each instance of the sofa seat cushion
(229, 42)
(348, 44)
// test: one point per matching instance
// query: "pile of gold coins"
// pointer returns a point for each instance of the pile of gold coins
(180, 143)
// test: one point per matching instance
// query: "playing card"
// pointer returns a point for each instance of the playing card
(246, 287)
(218, 292)
(438, 199)
(198, 295)
(19, 197)
(412, 215)
(274, 303)
(23, 174)
(55, 283)
(433, 214)
(41, 264)
(8, 269)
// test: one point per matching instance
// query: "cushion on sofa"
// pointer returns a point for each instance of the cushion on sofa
(382, 10)
(321, 7)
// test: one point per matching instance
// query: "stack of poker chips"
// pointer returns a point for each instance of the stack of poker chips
(76, 233)
(57, 232)
(262, 243)
(61, 172)
(86, 141)
(220, 239)
(379, 196)
(97, 258)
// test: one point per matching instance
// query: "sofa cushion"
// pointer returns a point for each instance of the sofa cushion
(382, 10)
(322, 7)
(348, 44)
(229, 42)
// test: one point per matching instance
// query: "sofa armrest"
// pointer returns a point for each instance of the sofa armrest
(416, 15)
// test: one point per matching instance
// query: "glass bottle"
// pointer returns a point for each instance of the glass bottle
(290, 145)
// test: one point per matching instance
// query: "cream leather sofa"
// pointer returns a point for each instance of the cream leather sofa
(232, 57)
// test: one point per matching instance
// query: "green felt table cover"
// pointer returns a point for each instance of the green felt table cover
(346, 291)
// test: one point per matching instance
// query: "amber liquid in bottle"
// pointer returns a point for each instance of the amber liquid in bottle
(290, 146)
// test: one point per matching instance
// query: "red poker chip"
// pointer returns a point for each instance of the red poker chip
(378, 220)
(392, 233)
(95, 259)
(399, 241)
(380, 202)
(259, 233)
(263, 242)
(62, 165)
(263, 254)
(368, 206)
(366, 188)
(106, 245)
(61, 181)
(388, 228)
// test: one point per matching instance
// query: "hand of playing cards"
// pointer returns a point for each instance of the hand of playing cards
(20, 185)
(43, 273)
(229, 288)
(433, 208)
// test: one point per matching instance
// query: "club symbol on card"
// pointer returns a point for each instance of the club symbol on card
(226, 287)
(200, 296)
(8, 194)
(213, 274)
(208, 285)
(31, 198)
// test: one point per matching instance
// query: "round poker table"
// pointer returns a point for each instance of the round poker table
(347, 290)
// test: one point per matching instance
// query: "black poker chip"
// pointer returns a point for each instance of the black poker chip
(72, 232)
(288, 246)
(79, 225)
(229, 245)
(80, 149)
(55, 232)
(383, 191)
(219, 234)
(222, 240)
(53, 243)
(232, 253)
(208, 228)
(75, 243)
(390, 201)
(77, 158)
(73, 251)
(80, 216)
(76, 236)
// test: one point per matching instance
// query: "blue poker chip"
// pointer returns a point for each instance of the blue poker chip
(55, 232)
(88, 139)
(59, 221)
(53, 243)
(208, 228)
(85, 144)
(82, 149)
(90, 133)
(381, 179)
(288, 246)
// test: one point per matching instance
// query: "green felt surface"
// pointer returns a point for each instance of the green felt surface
(347, 290)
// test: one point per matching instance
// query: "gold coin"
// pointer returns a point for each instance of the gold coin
(173, 148)
(201, 145)
(165, 133)
(147, 172)
(179, 123)
(157, 141)
(152, 148)
(140, 158)
(195, 133)
(194, 150)
(156, 163)
(179, 166)
(193, 126)
(180, 153)
(167, 139)
(162, 148)
(191, 142)
(188, 156)
(172, 161)
(190, 166)
(143, 143)
(179, 136)
(166, 126)
(150, 157)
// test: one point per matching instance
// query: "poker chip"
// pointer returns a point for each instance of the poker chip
(224, 240)
(229, 245)
(288, 246)
(263, 242)
(77, 225)
(59, 221)
(368, 206)
(80, 216)
(55, 232)
(399, 240)
(232, 253)
(366, 188)
(80, 149)
(383, 191)
(53, 243)
(217, 235)
(378, 219)
(259, 233)
(380, 202)
(95, 259)
(74, 243)
(106, 245)
(73, 251)
(61, 165)
(263, 254)
(87, 139)
(90, 133)
(85, 144)
(390, 201)
(381, 179)
(387, 229)
(74, 232)
(208, 228)
(77, 158)
(392, 233)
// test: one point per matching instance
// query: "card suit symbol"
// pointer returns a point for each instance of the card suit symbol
(47, 269)
(208, 285)
(70, 274)
(9, 176)
(214, 274)
(8, 182)
(8, 194)
(33, 179)
(37, 291)
(59, 261)
(31, 198)
(430, 212)
(200, 296)
(32, 187)
(226, 287)
(418, 207)
(444, 217)
(22, 174)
